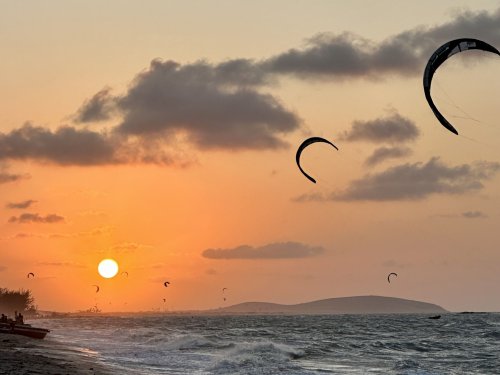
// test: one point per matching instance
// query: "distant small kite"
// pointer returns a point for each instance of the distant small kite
(389, 276)
(166, 283)
(96, 288)
(125, 273)
(301, 148)
(30, 274)
(439, 57)
(223, 289)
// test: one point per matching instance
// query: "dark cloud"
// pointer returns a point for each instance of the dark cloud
(384, 153)
(210, 109)
(279, 250)
(389, 129)
(474, 215)
(412, 182)
(347, 55)
(36, 218)
(20, 205)
(97, 108)
(418, 181)
(65, 146)
(70, 146)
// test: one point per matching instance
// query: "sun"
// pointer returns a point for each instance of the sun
(108, 268)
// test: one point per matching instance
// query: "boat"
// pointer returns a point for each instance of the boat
(435, 317)
(24, 330)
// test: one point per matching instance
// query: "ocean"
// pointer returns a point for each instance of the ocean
(326, 344)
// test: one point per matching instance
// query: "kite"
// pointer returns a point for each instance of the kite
(439, 57)
(301, 148)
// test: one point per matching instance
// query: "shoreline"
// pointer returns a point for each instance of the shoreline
(23, 355)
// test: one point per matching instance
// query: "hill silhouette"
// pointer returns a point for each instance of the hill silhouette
(342, 305)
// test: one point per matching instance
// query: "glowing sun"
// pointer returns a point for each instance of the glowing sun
(108, 268)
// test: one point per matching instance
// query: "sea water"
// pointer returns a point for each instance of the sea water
(323, 344)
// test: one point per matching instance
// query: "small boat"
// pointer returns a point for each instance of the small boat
(435, 317)
(24, 330)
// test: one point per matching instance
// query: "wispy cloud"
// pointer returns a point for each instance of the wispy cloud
(389, 129)
(279, 250)
(61, 264)
(385, 153)
(20, 205)
(36, 218)
(474, 215)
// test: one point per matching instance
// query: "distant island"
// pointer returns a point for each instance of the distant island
(342, 305)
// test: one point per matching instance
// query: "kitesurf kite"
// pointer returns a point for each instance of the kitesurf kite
(125, 273)
(439, 57)
(301, 148)
(96, 288)
(223, 289)
(166, 283)
(389, 276)
(30, 274)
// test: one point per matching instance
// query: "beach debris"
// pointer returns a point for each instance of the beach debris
(391, 274)
(301, 148)
(30, 274)
(439, 57)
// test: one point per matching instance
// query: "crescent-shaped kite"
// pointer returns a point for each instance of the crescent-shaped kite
(30, 274)
(389, 276)
(96, 288)
(301, 148)
(439, 57)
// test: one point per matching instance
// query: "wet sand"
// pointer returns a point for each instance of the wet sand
(23, 355)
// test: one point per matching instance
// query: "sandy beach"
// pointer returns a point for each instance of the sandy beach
(23, 355)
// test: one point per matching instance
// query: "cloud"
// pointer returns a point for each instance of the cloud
(418, 181)
(392, 128)
(129, 247)
(62, 264)
(6, 177)
(211, 109)
(69, 146)
(24, 235)
(384, 153)
(412, 182)
(395, 265)
(20, 205)
(36, 218)
(97, 108)
(65, 146)
(474, 215)
(347, 55)
(279, 250)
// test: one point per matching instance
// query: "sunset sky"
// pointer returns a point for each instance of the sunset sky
(163, 134)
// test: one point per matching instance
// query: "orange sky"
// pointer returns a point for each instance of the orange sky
(196, 156)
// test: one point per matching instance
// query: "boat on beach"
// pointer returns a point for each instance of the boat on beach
(24, 330)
